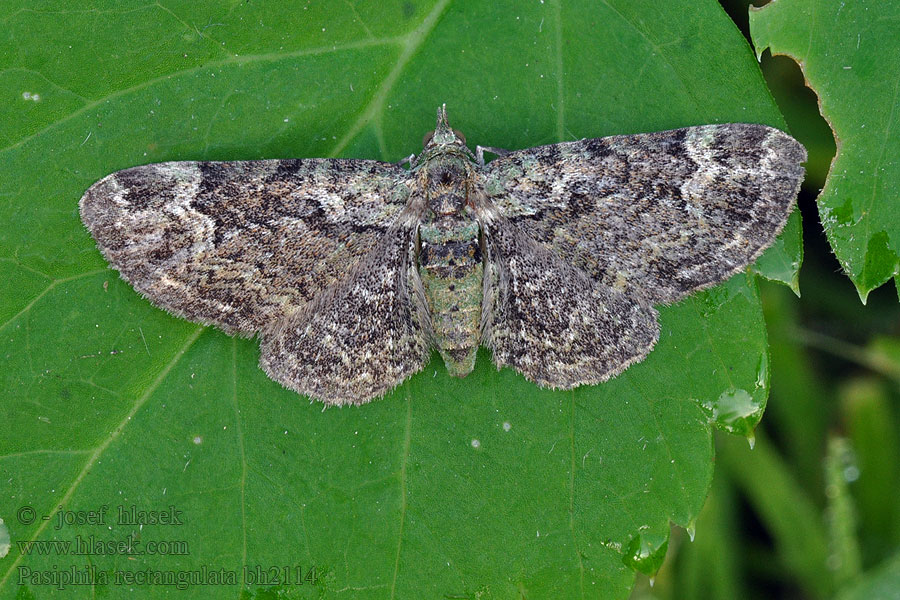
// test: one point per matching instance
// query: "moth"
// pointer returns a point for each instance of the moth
(352, 271)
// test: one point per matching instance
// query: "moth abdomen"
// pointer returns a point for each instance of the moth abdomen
(452, 275)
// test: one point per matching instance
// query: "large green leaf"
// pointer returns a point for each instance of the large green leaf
(485, 486)
(848, 52)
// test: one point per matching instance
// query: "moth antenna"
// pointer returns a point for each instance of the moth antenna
(442, 118)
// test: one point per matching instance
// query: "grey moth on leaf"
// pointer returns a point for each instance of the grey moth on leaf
(352, 271)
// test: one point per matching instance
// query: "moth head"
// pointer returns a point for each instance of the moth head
(443, 135)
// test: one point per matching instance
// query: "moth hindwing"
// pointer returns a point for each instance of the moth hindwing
(351, 271)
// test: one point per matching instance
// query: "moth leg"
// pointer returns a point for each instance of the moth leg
(358, 339)
(410, 160)
(480, 150)
(553, 323)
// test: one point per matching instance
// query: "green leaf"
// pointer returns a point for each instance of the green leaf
(881, 583)
(782, 261)
(867, 407)
(791, 517)
(848, 53)
(844, 559)
(485, 486)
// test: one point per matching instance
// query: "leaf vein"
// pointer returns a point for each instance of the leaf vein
(404, 462)
(113, 436)
(412, 42)
(206, 66)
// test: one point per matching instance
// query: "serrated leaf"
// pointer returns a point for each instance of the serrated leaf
(485, 486)
(848, 51)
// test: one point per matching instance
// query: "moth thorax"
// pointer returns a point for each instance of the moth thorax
(447, 193)
(452, 203)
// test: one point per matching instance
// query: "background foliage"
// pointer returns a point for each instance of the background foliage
(483, 487)
(812, 511)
